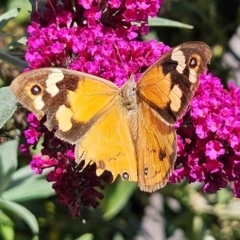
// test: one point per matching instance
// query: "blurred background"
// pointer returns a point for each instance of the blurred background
(179, 211)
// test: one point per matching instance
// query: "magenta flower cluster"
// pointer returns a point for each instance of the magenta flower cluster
(209, 137)
(64, 40)
(90, 51)
(125, 18)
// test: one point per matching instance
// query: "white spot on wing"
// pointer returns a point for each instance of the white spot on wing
(38, 103)
(177, 55)
(55, 76)
(175, 96)
(192, 76)
(64, 116)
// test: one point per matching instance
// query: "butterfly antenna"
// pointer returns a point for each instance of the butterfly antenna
(115, 46)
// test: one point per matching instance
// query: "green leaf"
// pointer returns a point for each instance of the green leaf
(6, 17)
(8, 105)
(6, 227)
(86, 236)
(22, 212)
(20, 42)
(118, 236)
(25, 7)
(27, 190)
(199, 229)
(24, 183)
(163, 22)
(21, 175)
(119, 194)
(36, 237)
(224, 196)
(8, 162)
(13, 60)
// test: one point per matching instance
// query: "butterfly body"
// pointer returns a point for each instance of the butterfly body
(127, 131)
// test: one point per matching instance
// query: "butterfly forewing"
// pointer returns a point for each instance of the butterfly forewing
(71, 100)
(169, 84)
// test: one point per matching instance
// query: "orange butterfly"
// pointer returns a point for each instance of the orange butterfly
(128, 130)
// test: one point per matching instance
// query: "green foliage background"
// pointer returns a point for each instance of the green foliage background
(182, 207)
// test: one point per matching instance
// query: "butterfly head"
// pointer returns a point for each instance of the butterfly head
(128, 95)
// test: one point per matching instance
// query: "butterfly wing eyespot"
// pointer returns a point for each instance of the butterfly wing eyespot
(193, 62)
(125, 175)
(36, 89)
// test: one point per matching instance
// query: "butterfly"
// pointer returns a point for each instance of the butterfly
(127, 131)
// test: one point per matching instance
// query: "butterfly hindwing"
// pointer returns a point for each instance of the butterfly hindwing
(169, 84)
(155, 148)
(109, 144)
